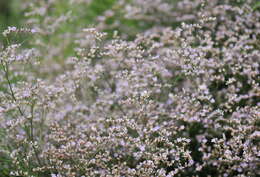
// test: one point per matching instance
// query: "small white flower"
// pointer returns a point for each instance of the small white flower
(33, 30)
(1, 109)
(203, 87)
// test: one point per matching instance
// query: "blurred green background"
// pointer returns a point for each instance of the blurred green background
(10, 13)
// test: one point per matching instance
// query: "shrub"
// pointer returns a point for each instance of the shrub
(178, 95)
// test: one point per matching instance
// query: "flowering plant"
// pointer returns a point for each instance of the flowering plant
(176, 97)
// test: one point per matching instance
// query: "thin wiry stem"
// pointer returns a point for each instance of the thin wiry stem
(6, 71)
(30, 132)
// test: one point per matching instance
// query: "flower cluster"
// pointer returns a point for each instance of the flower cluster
(176, 97)
(14, 29)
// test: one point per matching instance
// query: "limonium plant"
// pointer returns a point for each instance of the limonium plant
(149, 88)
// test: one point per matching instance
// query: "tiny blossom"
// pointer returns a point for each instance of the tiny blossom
(17, 30)
(9, 30)
(1, 109)
(33, 30)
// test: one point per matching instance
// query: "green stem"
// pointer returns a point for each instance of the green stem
(28, 132)
(32, 134)
(6, 70)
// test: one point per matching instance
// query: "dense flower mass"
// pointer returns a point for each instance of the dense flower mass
(154, 88)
